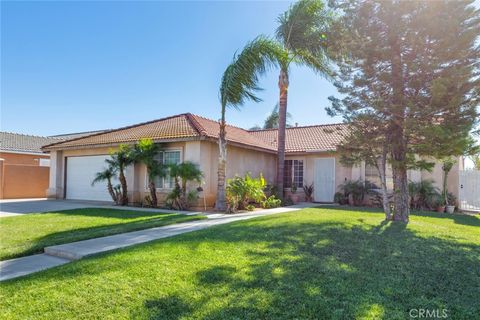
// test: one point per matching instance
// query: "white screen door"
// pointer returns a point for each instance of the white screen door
(324, 187)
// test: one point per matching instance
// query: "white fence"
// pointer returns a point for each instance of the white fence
(469, 190)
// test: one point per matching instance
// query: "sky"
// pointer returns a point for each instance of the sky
(80, 66)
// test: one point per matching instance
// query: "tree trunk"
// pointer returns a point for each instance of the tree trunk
(123, 183)
(110, 190)
(282, 119)
(382, 171)
(401, 197)
(153, 193)
(397, 127)
(220, 203)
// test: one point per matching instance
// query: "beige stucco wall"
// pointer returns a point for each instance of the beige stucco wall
(204, 153)
(341, 172)
(453, 177)
(239, 162)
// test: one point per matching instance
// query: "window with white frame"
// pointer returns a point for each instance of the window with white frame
(293, 174)
(167, 157)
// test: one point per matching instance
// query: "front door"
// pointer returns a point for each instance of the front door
(324, 186)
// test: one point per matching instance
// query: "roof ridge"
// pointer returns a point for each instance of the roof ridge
(195, 124)
(75, 133)
(300, 127)
(117, 129)
(29, 135)
(230, 125)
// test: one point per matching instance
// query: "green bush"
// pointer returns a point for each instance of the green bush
(245, 190)
(340, 198)
(424, 195)
(250, 207)
(356, 189)
(271, 202)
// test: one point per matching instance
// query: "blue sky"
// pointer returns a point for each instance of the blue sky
(79, 66)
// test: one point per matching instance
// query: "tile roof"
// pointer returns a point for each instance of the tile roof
(306, 139)
(188, 126)
(16, 142)
(180, 127)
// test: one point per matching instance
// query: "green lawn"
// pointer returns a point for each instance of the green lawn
(28, 234)
(311, 264)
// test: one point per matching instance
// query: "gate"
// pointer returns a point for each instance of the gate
(469, 190)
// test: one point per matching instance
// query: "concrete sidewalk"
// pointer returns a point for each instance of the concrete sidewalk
(61, 254)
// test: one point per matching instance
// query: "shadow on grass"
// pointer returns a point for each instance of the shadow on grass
(468, 220)
(335, 271)
(292, 266)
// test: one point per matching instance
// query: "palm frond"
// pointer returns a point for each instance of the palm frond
(240, 79)
(304, 26)
(318, 62)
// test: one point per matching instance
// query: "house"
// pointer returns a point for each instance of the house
(24, 168)
(311, 158)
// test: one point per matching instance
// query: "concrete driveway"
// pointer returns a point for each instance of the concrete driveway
(16, 207)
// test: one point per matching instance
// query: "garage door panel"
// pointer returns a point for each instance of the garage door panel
(80, 174)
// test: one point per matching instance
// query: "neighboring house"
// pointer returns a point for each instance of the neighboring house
(24, 168)
(311, 157)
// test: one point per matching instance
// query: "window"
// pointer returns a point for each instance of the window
(371, 174)
(167, 157)
(293, 174)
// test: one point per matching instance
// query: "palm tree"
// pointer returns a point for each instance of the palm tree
(145, 152)
(239, 84)
(272, 120)
(301, 40)
(119, 160)
(107, 175)
(184, 172)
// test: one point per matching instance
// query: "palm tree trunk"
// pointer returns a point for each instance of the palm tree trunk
(282, 119)
(153, 193)
(220, 203)
(123, 183)
(110, 190)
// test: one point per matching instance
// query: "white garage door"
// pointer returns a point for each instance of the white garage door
(80, 174)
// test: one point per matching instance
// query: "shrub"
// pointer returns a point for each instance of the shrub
(308, 190)
(271, 202)
(355, 190)
(452, 200)
(245, 190)
(340, 198)
(423, 195)
(250, 207)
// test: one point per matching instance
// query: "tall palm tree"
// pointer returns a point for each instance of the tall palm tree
(239, 84)
(107, 175)
(120, 159)
(300, 39)
(145, 152)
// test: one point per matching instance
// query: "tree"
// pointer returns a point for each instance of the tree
(300, 39)
(182, 173)
(273, 118)
(120, 160)
(239, 84)
(145, 152)
(107, 175)
(415, 65)
(366, 142)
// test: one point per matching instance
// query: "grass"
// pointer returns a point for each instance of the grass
(29, 234)
(317, 263)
